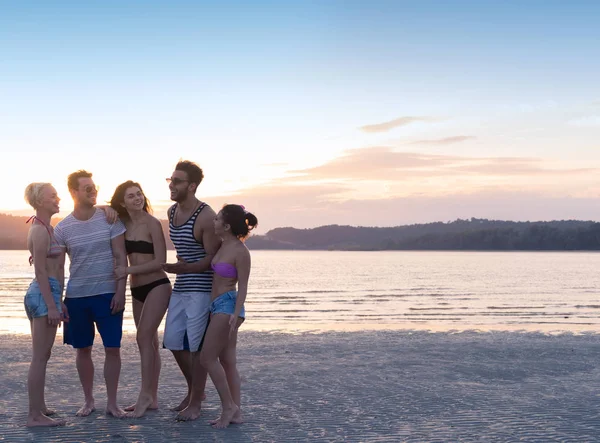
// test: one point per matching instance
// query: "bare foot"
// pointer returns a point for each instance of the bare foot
(152, 407)
(48, 412)
(86, 409)
(142, 405)
(192, 412)
(236, 420)
(184, 404)
(115, 411)
(237, 417)
(225, 419)
(42, 420)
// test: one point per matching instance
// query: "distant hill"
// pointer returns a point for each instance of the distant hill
(14, 229)
(473, 234)
(13, 232)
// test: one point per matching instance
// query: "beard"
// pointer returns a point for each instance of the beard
(180, 195)
(87, 202)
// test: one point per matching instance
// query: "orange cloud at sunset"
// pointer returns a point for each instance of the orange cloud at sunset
(444, 141)
(381, 186)
(396, 123)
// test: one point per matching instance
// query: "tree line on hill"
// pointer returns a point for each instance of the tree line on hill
(14, 229)
(472, 234)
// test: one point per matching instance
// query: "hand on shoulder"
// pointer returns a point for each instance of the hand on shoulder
(111, 215)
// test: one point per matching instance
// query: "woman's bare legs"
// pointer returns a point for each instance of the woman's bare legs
(228, 360)
(137, 313)
(215, 341)
(152, 312)
(156, 373)
(42, 335)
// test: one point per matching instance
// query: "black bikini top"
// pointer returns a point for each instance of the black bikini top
(139, 246)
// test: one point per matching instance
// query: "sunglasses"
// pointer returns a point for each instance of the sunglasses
(90, 189)
(176, 181)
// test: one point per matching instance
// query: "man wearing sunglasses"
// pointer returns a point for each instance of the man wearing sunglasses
(192, 232)
(94, 298)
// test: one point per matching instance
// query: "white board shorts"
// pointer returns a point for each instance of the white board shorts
(188, 313)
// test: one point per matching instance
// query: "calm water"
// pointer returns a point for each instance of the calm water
(320, 290)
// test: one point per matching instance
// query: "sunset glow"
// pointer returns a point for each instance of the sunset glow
(310, 113)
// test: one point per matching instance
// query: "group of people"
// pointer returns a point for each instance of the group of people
(108, 244)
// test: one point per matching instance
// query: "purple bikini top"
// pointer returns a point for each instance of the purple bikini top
(226, 270)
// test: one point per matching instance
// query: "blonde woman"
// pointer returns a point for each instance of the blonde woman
(43, 301)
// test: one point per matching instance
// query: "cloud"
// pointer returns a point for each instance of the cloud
(382, 187)
(444, 141)
(396, 123)
(379, 186)
(588, 121)
(305, 208)
(383, 163)
(376, 163)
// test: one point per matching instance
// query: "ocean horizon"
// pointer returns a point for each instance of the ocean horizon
(316, 291)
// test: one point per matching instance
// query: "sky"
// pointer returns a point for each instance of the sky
(310, 113)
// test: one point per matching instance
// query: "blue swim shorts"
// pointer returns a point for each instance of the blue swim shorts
(35, 306)
(225, 304)
(87, 312)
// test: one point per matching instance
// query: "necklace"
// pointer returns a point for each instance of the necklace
(178, 213)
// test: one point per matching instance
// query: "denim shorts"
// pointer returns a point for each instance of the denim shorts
(225, 304)
(35, 306)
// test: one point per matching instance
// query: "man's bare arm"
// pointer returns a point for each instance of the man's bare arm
(120, 256)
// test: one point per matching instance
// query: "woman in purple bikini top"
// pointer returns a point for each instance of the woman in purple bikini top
(231, 266)
(225, 270)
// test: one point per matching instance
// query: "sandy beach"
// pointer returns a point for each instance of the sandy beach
(411, 386)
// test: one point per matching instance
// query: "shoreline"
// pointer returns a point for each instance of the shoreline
(545, 329)
(339, 386)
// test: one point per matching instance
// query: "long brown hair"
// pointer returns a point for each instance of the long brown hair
(116, 202)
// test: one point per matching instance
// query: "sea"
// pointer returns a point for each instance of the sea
(318, 291)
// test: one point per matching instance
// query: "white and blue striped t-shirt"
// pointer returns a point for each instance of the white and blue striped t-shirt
(88, 243)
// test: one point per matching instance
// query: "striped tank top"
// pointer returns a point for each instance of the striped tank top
(190, 250)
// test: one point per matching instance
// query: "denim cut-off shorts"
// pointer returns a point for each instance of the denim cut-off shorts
(35, 306)
(225, 304)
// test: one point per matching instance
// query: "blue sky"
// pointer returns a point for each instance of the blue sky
(262, 93)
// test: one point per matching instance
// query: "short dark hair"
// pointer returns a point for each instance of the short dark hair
(194, 172)
(73, 180)
(240, 221)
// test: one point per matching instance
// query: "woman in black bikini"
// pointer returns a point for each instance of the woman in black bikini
(150, 286)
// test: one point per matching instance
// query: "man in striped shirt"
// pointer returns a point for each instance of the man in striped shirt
(192, 232)
(94, 298)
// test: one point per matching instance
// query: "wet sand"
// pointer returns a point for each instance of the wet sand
(395, 386)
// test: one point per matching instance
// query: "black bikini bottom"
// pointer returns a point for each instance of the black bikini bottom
(141, 292)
